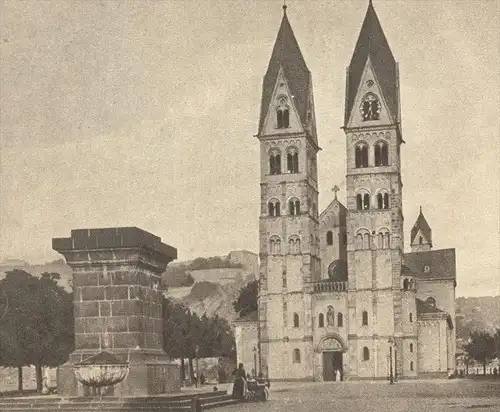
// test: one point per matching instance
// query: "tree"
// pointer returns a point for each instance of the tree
(496, 343)
(247, 299)
(38, 326)
(187, 335)
(481, 347)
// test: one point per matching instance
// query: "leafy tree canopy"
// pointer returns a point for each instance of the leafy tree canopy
(37, 326)
(247, 299)
(481, 347)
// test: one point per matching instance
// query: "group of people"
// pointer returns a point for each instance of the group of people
(241, 381)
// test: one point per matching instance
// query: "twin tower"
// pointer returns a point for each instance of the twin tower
(289, 230)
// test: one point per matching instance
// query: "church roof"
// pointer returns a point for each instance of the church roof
(287, 54)
(421, 225)
(373, 44)
(342, 208)
(423, 307)
(426, 310)
(433, 264)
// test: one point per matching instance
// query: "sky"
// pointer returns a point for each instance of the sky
(144, 113)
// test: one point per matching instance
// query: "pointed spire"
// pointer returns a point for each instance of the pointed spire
(422, 226)
(284, 7)
(287, 55)
(373, 44)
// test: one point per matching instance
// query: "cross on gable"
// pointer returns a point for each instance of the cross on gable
(335, 190)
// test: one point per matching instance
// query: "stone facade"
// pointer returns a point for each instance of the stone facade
(117, 294)
(347, 303)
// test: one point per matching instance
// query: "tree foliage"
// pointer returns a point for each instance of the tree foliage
(247, 299)
(37, 325)
(187, 335)
(481, 347)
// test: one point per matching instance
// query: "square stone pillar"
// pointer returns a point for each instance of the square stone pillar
(117, 298)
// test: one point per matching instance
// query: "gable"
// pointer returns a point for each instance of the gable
(281, 99)
(369, 106)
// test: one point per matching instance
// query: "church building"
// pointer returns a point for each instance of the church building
(339, 298)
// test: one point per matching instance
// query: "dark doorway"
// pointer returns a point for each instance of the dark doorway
(332, 362)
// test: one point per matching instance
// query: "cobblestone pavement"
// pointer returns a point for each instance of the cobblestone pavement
(407, 396)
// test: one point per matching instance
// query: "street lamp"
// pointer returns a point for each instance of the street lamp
(255, 360)
(197, 366)
(391, 377)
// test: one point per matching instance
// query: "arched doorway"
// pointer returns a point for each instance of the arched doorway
(332, 351)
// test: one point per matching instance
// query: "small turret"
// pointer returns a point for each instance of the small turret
(421, 235)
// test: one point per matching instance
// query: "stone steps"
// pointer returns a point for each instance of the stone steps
(181, 403)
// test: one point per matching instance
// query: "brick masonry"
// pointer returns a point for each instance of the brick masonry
(118, 303)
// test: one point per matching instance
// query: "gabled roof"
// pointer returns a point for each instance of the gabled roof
(373, 44)
(433, 264)
(421, 225)
(342, 208)
(287, 54)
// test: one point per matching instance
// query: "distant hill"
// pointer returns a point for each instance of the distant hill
(56, 266)
(217, 282)
(477, 313)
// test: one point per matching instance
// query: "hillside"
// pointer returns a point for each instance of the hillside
(477, 313)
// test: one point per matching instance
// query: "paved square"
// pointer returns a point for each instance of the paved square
(408, 396)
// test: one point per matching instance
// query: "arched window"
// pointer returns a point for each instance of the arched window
(294, 244)
(329, 237)
(370, 107)
(274, 207)
(283, 114)
(274, 245)
(292, 160)
(366, 354)
(321, 320)
(359, 241)
(406, 283)
(361, 155)
(362, 240)
(274, 162)
(421, 240)
(411, 365)
(380, 241)
(383, 200)
(359, 202)
(340, 320)
(366, 241)
(365, 318)
(366, 201)
(314, 210)
(386, 240)
(295, 320)
(411, 317)
(431, 301)
(412, 284)
(411, 347)
(381, 154)
(296, 356)
(294, 206)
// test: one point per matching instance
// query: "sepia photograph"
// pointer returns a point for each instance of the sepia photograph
(249, 205)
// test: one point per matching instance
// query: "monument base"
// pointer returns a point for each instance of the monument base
(150, 373)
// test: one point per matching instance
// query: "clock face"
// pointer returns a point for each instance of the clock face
(370, 107)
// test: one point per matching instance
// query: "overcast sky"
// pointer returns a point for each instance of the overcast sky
(144, 113)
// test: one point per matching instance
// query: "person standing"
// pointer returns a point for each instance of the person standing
(239, 383)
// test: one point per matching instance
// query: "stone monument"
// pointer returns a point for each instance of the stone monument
(117, 296)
